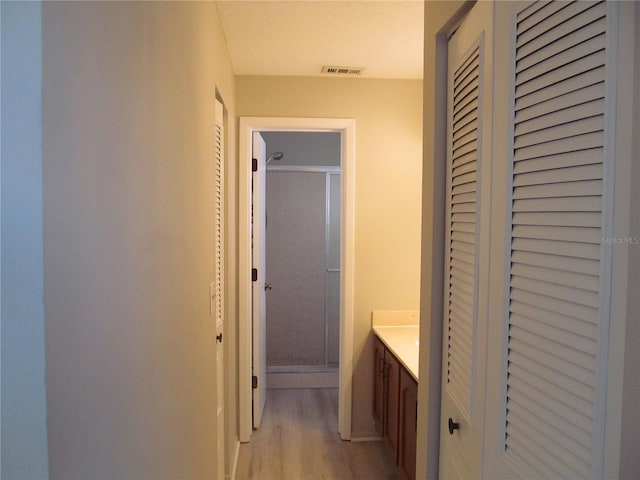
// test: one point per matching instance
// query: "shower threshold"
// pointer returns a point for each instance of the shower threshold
(302, 376)
(302, 368)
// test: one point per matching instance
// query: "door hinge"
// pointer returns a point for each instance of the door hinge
(254, 164)
(254, 382)
(254, 274)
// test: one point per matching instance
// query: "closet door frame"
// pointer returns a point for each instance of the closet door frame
(622, 416)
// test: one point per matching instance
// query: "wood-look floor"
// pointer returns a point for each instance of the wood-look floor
(298, 439)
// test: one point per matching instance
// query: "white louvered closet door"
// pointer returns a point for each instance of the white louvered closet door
(464, 342)
(549, 300)
(217, 300)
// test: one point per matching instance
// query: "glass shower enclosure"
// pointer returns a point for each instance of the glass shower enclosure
(303, 268)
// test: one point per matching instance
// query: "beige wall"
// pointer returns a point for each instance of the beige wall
(128, 115)
(388, 116)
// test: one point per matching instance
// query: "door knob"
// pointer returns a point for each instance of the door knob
(268, 286)
(453, 426)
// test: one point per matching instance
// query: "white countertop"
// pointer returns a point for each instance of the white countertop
(403, 341)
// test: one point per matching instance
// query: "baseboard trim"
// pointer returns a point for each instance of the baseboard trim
(234, 463)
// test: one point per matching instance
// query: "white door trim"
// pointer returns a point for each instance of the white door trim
(346, 127)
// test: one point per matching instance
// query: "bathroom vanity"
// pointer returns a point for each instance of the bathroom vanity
(395, 393)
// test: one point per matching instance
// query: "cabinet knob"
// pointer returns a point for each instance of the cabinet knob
(453, 426)
(219, 338)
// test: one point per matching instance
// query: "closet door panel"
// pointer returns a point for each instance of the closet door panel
(548, 303)
(465, 285)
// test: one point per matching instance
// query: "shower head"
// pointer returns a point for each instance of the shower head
(274, 156)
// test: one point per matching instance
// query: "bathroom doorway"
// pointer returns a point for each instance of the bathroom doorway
(345, 128)
(303, 191)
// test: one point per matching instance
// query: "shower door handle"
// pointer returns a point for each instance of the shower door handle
(268, 286)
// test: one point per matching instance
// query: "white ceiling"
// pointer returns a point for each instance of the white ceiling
(298, 37)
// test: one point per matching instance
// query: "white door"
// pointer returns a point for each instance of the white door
(258, 249)
(217, 289)
(466, 269)
(549, 302)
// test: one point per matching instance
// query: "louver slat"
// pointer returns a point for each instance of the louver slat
(555, 431)
(557, 322)
(524, 428)
(551, 64)
(557, 276)
(527, 83)
(579, 219)
(559, 23)
(218, 221)
(551, 44)
(563, 131)
(553, 362)
(565, 159)
(563, 396)
(585, 141)
(586, 94)
(565, 339)
(524, 456)
(529, 175)
(556, 91)
(562, 234)
(559, 380)
(554, 290)
(586, 314)
(568, 114)
(537, 11)
(563, 414)
(462, 247)
(556, 237)
(564, 263)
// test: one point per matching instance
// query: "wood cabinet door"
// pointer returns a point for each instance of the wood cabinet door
(378, 389)
(407, 431)
(392, 382)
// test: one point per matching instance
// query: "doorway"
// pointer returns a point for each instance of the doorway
(346, 130)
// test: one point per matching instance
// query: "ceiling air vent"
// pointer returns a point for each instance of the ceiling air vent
(335, 70)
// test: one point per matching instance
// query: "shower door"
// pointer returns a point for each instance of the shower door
(303, 261)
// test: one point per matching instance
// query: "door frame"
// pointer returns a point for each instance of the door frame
(346, 128)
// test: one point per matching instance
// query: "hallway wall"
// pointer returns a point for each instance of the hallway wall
(388, 116)
(24, 409)
(128, 118)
